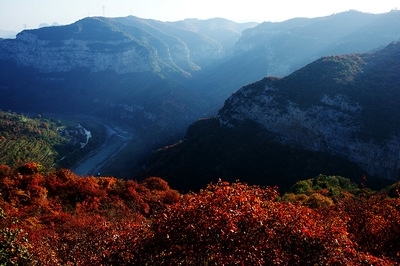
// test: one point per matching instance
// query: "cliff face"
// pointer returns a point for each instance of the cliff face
(123, 45)
(336, 114)
(332, 126)
(46, 55)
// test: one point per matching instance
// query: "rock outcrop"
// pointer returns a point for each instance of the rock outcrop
(124, 45)
(341, 113)
(122, 55)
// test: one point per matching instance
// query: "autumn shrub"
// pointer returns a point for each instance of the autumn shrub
(30, 168)
(229, 224)
(72, 220)
(156, 184)
(59, 218)
(294, 198)
(159, 193)
(93, 240)
(302, 187)
(13, 242)
(4, 170)
(321, 191)
(317, 200)
(374, 224)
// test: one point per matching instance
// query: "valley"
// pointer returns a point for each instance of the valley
(132, 141)
(93, 163)
(155, 79)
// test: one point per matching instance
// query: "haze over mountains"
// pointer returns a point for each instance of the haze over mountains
(335, 109)
(130, 68)
(159, 77)
(6, 34)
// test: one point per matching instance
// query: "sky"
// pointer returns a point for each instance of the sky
(16, 15)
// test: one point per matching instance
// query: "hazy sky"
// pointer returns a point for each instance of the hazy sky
(17, 14)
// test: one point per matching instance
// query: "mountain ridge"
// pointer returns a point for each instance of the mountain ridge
(136, 45)
(158, 77)
(346, 115)
(336, 114)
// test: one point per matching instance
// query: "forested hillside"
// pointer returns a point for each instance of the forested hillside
(62, 219)
(249, 153)
(46, 141)
(24, 139)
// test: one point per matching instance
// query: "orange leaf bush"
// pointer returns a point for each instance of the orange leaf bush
(229, 224)
(62, 219)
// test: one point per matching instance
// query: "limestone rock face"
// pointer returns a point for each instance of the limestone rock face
(330, 116)
(124, 45)
(121, 56)
(331, 126)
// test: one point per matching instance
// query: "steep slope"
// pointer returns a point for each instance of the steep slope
(247, 153)
(91, 43)
(225, 32)
(24, 139)
(343, 105)
(158, 77)
(336, 115)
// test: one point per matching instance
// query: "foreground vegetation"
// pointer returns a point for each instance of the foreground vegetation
(59, 218)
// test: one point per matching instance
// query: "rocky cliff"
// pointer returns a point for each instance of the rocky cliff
(123, 45)
(342, 105)
(122, 55)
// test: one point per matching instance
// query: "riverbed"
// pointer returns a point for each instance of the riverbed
(117, 139)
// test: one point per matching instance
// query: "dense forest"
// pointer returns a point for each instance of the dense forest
(59, 218)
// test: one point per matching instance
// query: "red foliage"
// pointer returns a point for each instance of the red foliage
(29, 168)
(70, 220)
(4, 170)
(88, 240)
(374, 224)
(238, 224)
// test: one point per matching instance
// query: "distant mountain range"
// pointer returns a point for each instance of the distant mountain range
(278, 49)
(159, 77)
(124, 45)
(129, 69)
(337, 115)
